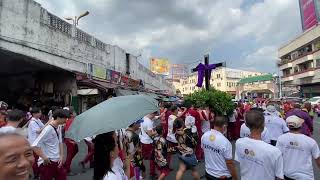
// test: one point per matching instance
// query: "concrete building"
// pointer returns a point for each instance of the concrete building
(262, 86)
(300, 64)
(224, 79)
(43, 55)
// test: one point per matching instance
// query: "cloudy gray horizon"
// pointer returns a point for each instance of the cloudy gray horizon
(244, 33)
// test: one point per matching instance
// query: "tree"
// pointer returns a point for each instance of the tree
(220, 102)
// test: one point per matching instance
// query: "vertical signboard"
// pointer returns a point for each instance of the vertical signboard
(308, 14)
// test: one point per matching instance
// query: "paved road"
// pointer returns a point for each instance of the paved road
(88, 174)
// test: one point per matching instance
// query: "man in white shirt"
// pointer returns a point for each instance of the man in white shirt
(34, 128)
(258, 160)
(146, 135)
(298, 151)
(276, 126)
(245, 132)
(49, 147)
(218, 152)
(35, 125)
(171, 138)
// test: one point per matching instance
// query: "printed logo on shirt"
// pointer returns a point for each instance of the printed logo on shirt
(212, 138)
(250, 156)
(249, 152)
(213, 149)
(294, 143)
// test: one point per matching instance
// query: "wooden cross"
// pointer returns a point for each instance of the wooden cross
(208, 71)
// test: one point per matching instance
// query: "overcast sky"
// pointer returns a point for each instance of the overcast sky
(244, 33)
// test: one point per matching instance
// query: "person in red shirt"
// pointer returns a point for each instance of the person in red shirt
(72, 146)
(3, 113)
(239, 119)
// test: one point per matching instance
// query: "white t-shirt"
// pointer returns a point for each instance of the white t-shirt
(245, 132)
(34, 126)
(118, 172)
(258, 160)
(147, 125)
(276, 126)
(49, 141)
(171, 136)
(217, 149)
(298, 151)
(205, 125)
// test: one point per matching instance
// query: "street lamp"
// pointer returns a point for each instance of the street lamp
(76, 19)
(278, 80)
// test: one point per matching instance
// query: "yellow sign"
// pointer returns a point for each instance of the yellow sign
(99, 72)
(159, 66)
(212, 138)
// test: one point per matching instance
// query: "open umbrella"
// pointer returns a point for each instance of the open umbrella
(112, 114)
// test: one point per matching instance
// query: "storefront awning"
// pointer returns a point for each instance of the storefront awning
(101, 85)
(125, 92)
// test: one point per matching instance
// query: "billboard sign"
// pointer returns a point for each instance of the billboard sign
(159, 66)
(308, 14)
(99, 72)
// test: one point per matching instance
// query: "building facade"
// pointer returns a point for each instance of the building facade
(262, 86)
(223, 79)
(300, 64)
(45, 57)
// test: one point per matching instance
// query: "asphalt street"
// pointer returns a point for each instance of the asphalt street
(201, 168)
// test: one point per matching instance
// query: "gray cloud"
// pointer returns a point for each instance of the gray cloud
(186, 29)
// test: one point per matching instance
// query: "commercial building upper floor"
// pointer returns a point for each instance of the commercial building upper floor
(27, 29)
(299, 60)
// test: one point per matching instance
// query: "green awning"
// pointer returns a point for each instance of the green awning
(267, 77)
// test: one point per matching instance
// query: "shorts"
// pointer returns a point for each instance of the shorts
(147, 150)
(209, 177)
(164, 170)
(189, 160)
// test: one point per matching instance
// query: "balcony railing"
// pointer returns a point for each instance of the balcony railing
(59, 24)
(300, 72)
(285, 61)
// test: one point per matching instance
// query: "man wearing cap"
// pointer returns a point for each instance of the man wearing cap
(298, 151)
(276, 126)
(307, 126)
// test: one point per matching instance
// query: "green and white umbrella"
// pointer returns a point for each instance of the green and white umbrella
(112, 114)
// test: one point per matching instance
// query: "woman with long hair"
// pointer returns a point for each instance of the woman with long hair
(107, 164)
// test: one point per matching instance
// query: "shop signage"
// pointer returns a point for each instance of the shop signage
(115, 77)
(99, 72)
(133, 83)
(124, 80)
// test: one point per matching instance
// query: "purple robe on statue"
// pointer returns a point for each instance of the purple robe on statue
(201, 72)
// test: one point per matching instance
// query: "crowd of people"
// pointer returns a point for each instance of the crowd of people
(271, 142)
